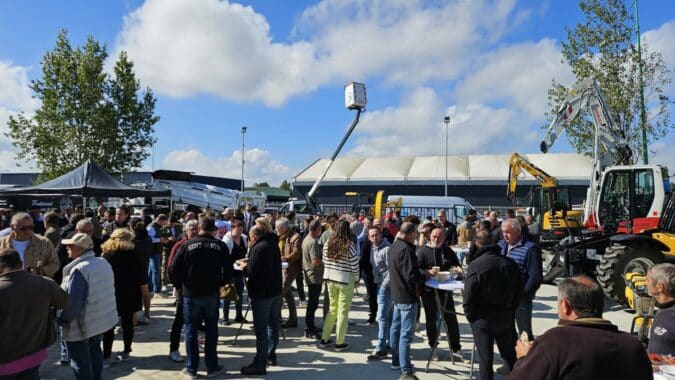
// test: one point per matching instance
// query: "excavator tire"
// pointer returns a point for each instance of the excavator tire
(619, 260)
(553, 267)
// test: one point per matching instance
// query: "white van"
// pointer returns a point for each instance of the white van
(423, 206)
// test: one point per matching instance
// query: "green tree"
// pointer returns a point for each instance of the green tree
(261, 184)
(602, 47)
(85, 113)
(285, 185)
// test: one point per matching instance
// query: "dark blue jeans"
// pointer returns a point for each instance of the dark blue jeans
(402, 330)
(314, 291)
(384, 316)
(86, 358)
(239, 285)
(195, 311)
(266, 322)
(154, 270)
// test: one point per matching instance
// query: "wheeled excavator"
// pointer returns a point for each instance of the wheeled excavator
(623, 216)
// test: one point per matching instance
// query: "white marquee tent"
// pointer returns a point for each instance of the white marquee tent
(568, 168)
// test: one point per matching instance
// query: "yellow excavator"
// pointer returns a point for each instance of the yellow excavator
(554, 199)
(551, 205)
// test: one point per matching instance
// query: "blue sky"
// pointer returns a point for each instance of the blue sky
(279, 67)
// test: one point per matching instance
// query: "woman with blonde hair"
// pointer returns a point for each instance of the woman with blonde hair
(341, 272)
(128, 271)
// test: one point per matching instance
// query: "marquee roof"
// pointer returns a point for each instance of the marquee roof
(568, 168)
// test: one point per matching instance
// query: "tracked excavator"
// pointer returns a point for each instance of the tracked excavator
(551, 206)
(625, 229)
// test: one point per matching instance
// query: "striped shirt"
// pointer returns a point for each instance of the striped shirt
(341, 269)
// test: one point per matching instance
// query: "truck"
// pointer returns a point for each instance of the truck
(185, 192)
(624, 201)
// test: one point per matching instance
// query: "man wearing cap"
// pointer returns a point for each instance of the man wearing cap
(200, 267)
(90, 284)
(37, 253)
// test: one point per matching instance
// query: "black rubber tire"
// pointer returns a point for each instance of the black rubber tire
(555, 270)
(613, 266)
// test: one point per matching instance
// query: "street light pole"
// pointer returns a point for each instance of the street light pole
(643, 113)
(447, 121)
(243, 133)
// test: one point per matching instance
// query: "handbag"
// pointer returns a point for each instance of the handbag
(229, 293)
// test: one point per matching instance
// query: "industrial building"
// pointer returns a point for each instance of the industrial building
(481, 179)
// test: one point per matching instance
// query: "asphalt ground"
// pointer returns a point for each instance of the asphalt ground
(298, 357)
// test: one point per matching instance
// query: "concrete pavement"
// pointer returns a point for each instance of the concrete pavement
(298, 357)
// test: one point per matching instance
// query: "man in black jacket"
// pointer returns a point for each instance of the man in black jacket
(25, 325)
(436, 253)
(264, 288)
(450, 228)
(491, 296)
(405, 279)
(201, 266)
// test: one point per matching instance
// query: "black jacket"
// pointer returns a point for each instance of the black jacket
(364, 262)
(450, 233)
(387, 236)
(201, 266)
(491, 286)
(405, 278)
(264, 269)
(443, 257)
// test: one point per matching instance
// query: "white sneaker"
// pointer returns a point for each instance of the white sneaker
(435, 356)
(175, 356)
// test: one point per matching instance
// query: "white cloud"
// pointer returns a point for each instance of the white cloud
(662, 153)
(259, 167)
(517, 75)
(417, 128)
(661, 40)
(15, 96)
(183, 48)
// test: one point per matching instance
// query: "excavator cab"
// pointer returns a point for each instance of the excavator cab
(553, 209)
(630, 198)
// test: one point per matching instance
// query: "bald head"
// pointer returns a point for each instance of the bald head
(408, 232)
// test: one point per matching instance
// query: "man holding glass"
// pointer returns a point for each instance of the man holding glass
(433, 257)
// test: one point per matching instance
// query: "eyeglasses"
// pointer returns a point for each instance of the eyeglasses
(24, 228)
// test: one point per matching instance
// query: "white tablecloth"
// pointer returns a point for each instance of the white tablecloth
(445, 285)
(236, 266)
(459, 249)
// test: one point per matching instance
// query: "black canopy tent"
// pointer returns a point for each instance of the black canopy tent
(87, 180)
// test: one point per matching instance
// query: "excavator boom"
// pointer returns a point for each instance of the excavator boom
(518, 164)
(610, 145)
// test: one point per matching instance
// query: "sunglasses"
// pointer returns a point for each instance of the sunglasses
(24, 228)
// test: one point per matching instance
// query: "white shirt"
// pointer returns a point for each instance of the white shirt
(20, 247)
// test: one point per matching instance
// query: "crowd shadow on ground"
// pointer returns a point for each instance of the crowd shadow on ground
(298, 356)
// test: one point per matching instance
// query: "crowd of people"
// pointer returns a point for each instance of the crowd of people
(64, 268)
